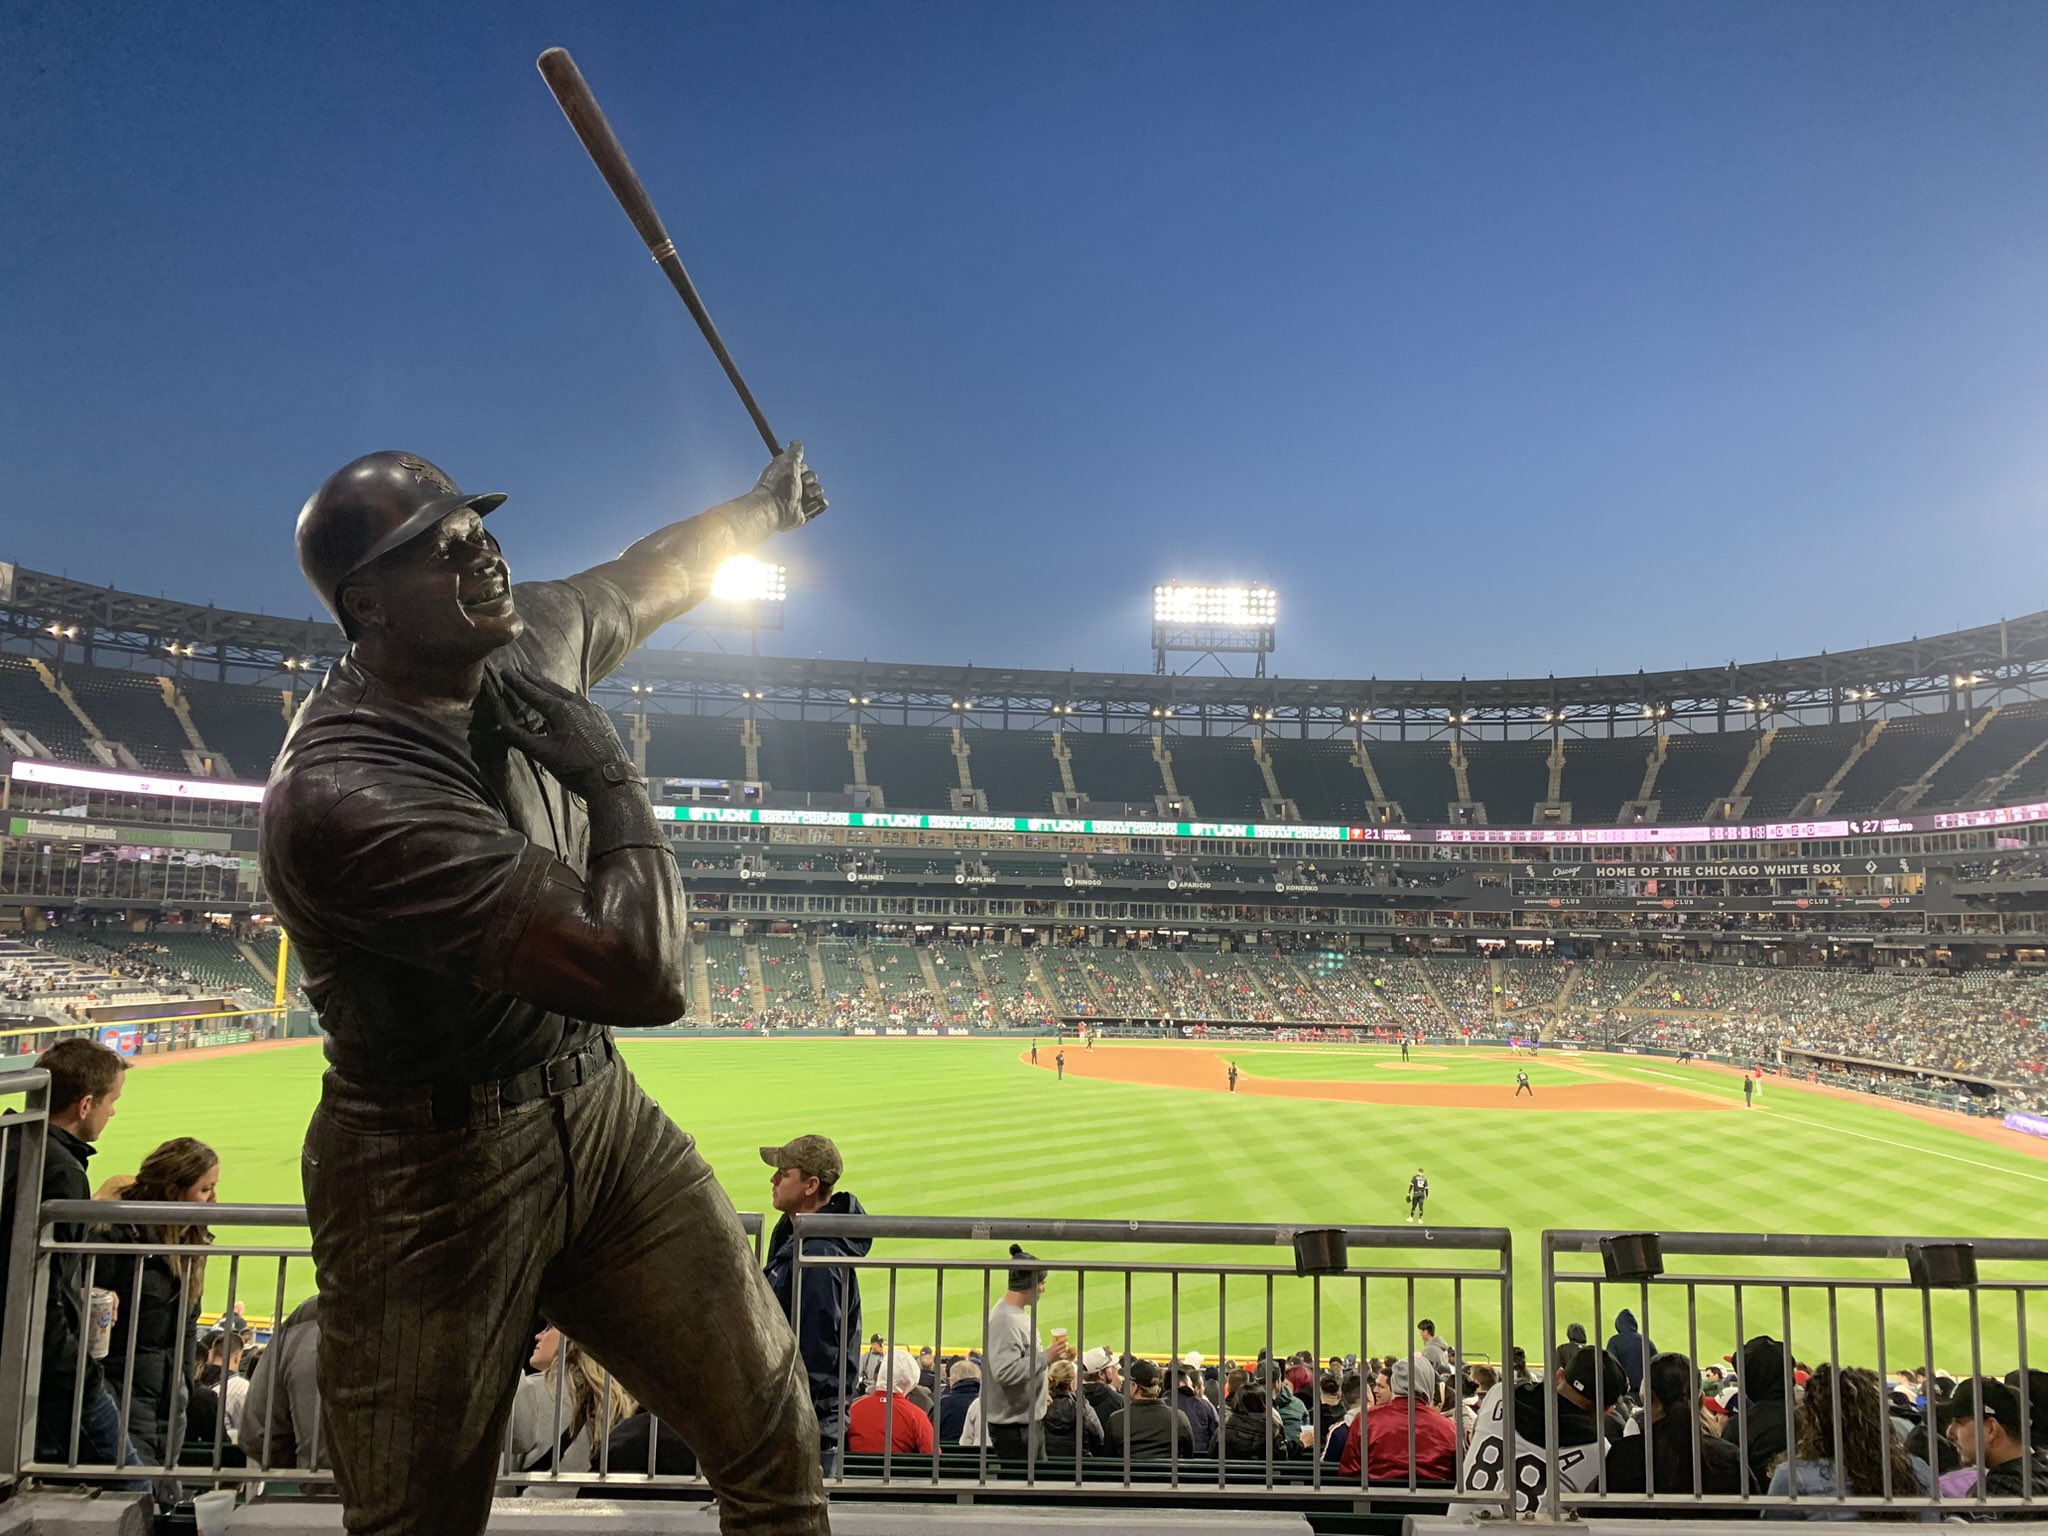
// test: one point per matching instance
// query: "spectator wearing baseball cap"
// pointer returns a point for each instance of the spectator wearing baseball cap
(2034, 1384)
(1154, 1431)
(2011, 1468)
(1574, 1341)
(806, 1180)
(1589, 1382)
(1102, 1382)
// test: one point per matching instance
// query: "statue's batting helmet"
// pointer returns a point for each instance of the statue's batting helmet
(368, 508)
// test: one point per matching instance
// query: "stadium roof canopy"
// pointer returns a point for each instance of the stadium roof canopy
(1923, 674)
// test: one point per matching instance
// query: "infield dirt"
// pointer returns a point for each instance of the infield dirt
(1181, 1067)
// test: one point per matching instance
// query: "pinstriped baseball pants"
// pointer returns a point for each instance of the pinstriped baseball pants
(437, 1248)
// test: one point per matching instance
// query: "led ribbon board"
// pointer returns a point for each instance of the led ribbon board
(70, 777)
(910, 821)
(67, 775)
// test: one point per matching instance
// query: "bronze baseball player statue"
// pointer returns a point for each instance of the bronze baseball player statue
(463, 853)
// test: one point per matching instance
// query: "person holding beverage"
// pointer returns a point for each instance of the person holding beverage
(156, 1295)
(85, 1085)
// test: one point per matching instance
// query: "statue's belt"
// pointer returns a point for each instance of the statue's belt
(457, 1105)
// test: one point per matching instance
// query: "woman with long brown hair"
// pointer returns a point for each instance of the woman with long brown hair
(185, 1171)
(593, 1404)
(1868, 1445)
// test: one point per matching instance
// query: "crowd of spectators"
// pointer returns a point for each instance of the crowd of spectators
(1467, 988)
(60, 977)
(1882, 1030)
(1429, 1422)
(2006, 867)
(1631, 1420)
(1626, 1415)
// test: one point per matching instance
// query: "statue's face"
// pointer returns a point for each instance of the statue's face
(447, 593)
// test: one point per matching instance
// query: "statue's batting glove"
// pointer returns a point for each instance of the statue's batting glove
(564, 732)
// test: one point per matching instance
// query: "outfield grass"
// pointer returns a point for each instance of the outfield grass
(967, 1128)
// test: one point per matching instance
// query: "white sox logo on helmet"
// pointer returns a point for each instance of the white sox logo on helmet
(426, 474)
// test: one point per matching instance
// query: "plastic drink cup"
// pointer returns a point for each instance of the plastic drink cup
(212, 1510)
(100, 1323)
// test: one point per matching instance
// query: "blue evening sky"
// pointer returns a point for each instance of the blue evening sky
(1502, 338)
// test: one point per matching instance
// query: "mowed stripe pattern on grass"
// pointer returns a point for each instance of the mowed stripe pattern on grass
(969, 1128)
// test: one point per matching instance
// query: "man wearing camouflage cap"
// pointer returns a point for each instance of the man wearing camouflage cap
(827, 1310)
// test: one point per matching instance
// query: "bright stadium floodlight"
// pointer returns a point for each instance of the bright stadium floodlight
(746, 594)
(1229, 607)
(1212, 620)
(743, 579)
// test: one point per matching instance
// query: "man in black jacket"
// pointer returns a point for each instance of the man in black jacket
(1152, 1428)
(1186, 1393)
(1103, 1383)
(1756, 1419)
(85, 1084)
(807, 1173)
(2012, 1469)
(1758, 1416)
(962, 1392)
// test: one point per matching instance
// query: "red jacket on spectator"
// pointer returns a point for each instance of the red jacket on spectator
(1386, 1444)
(910, 1428)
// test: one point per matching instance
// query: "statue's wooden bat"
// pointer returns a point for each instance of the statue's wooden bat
(587, 118)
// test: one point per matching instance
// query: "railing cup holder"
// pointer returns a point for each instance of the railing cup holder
(1321, 1251)
(1942, 1266)
(1632, 1255)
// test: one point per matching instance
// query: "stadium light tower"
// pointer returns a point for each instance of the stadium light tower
(1213, 622)
(746, 594)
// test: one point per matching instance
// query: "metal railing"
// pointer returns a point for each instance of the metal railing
(1763, 1291)
(103, 1258)
(1153, 1290)
(1052, 1465)
(244, 1459)
(23, 1130)
(263, 1271)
